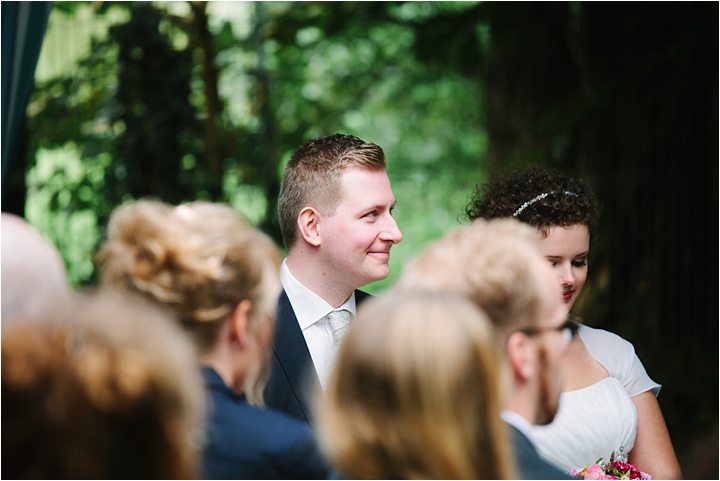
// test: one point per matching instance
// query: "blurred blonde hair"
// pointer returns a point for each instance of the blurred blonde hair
(107, 387)
(414, 393)
(200, 260)
(488, 262)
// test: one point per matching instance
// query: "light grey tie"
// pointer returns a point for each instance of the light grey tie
(339, 322)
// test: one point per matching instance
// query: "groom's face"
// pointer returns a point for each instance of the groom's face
(355, 240)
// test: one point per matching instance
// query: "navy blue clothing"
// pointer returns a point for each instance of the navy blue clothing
(293, 377)
(246, 442)
(528, 462)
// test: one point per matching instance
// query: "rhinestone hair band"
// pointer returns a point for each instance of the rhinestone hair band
(539, 197)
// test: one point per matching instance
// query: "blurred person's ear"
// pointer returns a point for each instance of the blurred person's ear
(308, 224)
(239, 320)
(522, 355)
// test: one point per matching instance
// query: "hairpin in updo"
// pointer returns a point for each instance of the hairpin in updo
(539, 197)
(184, 212)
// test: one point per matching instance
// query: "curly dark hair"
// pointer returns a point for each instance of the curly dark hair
(541, 197)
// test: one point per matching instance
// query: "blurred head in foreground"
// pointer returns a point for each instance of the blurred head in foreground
(414, 393)
(497, 264)
(104, 388)
(34, 280)
(218, 275)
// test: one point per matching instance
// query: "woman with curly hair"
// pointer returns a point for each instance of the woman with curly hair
(609, 402)
(220, 279)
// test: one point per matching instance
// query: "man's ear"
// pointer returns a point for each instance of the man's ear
(239, 320)
(522, 355)
(309, 226)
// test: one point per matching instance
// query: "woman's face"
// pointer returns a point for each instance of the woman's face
(567, 248)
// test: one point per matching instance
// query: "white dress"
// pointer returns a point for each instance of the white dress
(594, 421)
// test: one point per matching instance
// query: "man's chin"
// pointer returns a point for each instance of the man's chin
(377, 275)
(383, 275)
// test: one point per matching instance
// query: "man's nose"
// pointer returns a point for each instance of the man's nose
(391, 231)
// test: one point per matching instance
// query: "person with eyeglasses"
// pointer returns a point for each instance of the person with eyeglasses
(609, 402)
(568, 329)
(498, 266)
(414, 393)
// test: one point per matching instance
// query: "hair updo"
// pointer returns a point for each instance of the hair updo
(541, 197)
(199, 259)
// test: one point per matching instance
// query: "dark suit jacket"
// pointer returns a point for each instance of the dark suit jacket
(293, 378)
(528, 462)
(246, 442)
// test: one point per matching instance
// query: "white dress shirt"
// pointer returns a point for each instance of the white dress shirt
(311, 311)
(519, 423)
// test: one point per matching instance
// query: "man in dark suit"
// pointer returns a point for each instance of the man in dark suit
(335, 209)
(497, 264)
(529, 463)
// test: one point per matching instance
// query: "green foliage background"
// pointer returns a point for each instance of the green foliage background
(133, 109)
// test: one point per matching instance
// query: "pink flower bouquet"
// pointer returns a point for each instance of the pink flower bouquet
(613, 469)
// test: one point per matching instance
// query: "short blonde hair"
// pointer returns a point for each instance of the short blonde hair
(414, 393)
(312, 176)
(488, 262)
(200, 260)
(106, 387)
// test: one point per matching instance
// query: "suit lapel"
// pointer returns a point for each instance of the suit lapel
(293, 355)
(290, 347)
(360, 296)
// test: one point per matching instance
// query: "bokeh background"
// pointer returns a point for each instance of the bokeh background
(104, 102)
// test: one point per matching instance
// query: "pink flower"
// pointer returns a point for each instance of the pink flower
(611, 470)
(627, 471)
(594, 471)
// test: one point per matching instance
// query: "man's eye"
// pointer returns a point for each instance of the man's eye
(371, 214)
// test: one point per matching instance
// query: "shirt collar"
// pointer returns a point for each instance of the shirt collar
(519, 423)
(308, 306)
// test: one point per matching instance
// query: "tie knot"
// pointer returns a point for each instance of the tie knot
(339, 322)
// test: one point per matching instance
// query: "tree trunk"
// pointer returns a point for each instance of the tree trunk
(214, 148)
